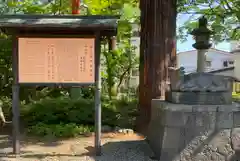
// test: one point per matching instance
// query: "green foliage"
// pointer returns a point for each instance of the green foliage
(5, 65)
(37, 7)
(66, 117)
(236, 96)
(49, 111)
(59, 130)
(87, 92)
(223, 17)
(121, 61)
(118, 63)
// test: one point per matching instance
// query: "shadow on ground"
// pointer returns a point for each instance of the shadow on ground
(125, 148)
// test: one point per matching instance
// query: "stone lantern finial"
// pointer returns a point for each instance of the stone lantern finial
(202, 22)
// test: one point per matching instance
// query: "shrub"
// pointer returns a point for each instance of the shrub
(65, 117)
(59, 130)
(64, 110)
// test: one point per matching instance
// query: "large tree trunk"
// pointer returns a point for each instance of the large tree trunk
(157, 53)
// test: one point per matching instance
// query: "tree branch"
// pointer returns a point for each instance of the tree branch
(212, 9)
(228, 5)
(232, 10)
(122, 76)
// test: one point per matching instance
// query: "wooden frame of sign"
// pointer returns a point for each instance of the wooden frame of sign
(57, 50)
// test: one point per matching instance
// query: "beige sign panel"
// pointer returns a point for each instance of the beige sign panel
(56, 60)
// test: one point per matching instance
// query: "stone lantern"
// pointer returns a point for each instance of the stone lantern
(202, 36)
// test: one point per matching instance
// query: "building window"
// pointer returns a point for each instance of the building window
(225, 63)
(208, 63)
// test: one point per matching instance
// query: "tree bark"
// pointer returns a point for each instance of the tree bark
(157, 53)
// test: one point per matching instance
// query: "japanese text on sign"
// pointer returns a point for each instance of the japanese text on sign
(56, 60)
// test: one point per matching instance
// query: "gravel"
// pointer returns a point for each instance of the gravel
(124, 148)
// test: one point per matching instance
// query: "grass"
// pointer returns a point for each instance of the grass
(236, 96)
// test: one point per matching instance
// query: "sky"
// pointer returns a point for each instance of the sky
(185, 46)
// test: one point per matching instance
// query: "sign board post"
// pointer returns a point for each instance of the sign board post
(98, 98)
(15, 99)
(52, 52)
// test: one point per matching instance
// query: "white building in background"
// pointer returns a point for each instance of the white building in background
(234, 45)
(135, 41)
(215, 60)
(235, 49)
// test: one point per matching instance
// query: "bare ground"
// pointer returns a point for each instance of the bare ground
(116, 147)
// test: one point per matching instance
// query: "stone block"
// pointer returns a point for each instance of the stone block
(177, 119)
(165, 141)
(220, 141)
(168, 155)
(170, 115)
(205, 119)
(192, 131)
(235, 139)
(171, 145)
(201, 98)
(155, 138)
(157, 111)
(205, 108)
(236, 119)
(189, 135)
(205, 82)
(205, 116)
(172, 138)
(224, 119)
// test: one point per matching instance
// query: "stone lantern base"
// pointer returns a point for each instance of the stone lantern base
(200, 98)
(180, 132)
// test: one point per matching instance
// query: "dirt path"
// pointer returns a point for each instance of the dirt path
(116, 147)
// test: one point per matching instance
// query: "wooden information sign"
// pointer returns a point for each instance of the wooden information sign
(56, 60)
(68, 55)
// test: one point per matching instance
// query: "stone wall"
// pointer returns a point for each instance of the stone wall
(194, 132)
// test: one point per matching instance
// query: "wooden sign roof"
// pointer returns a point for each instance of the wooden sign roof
(58, 22)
